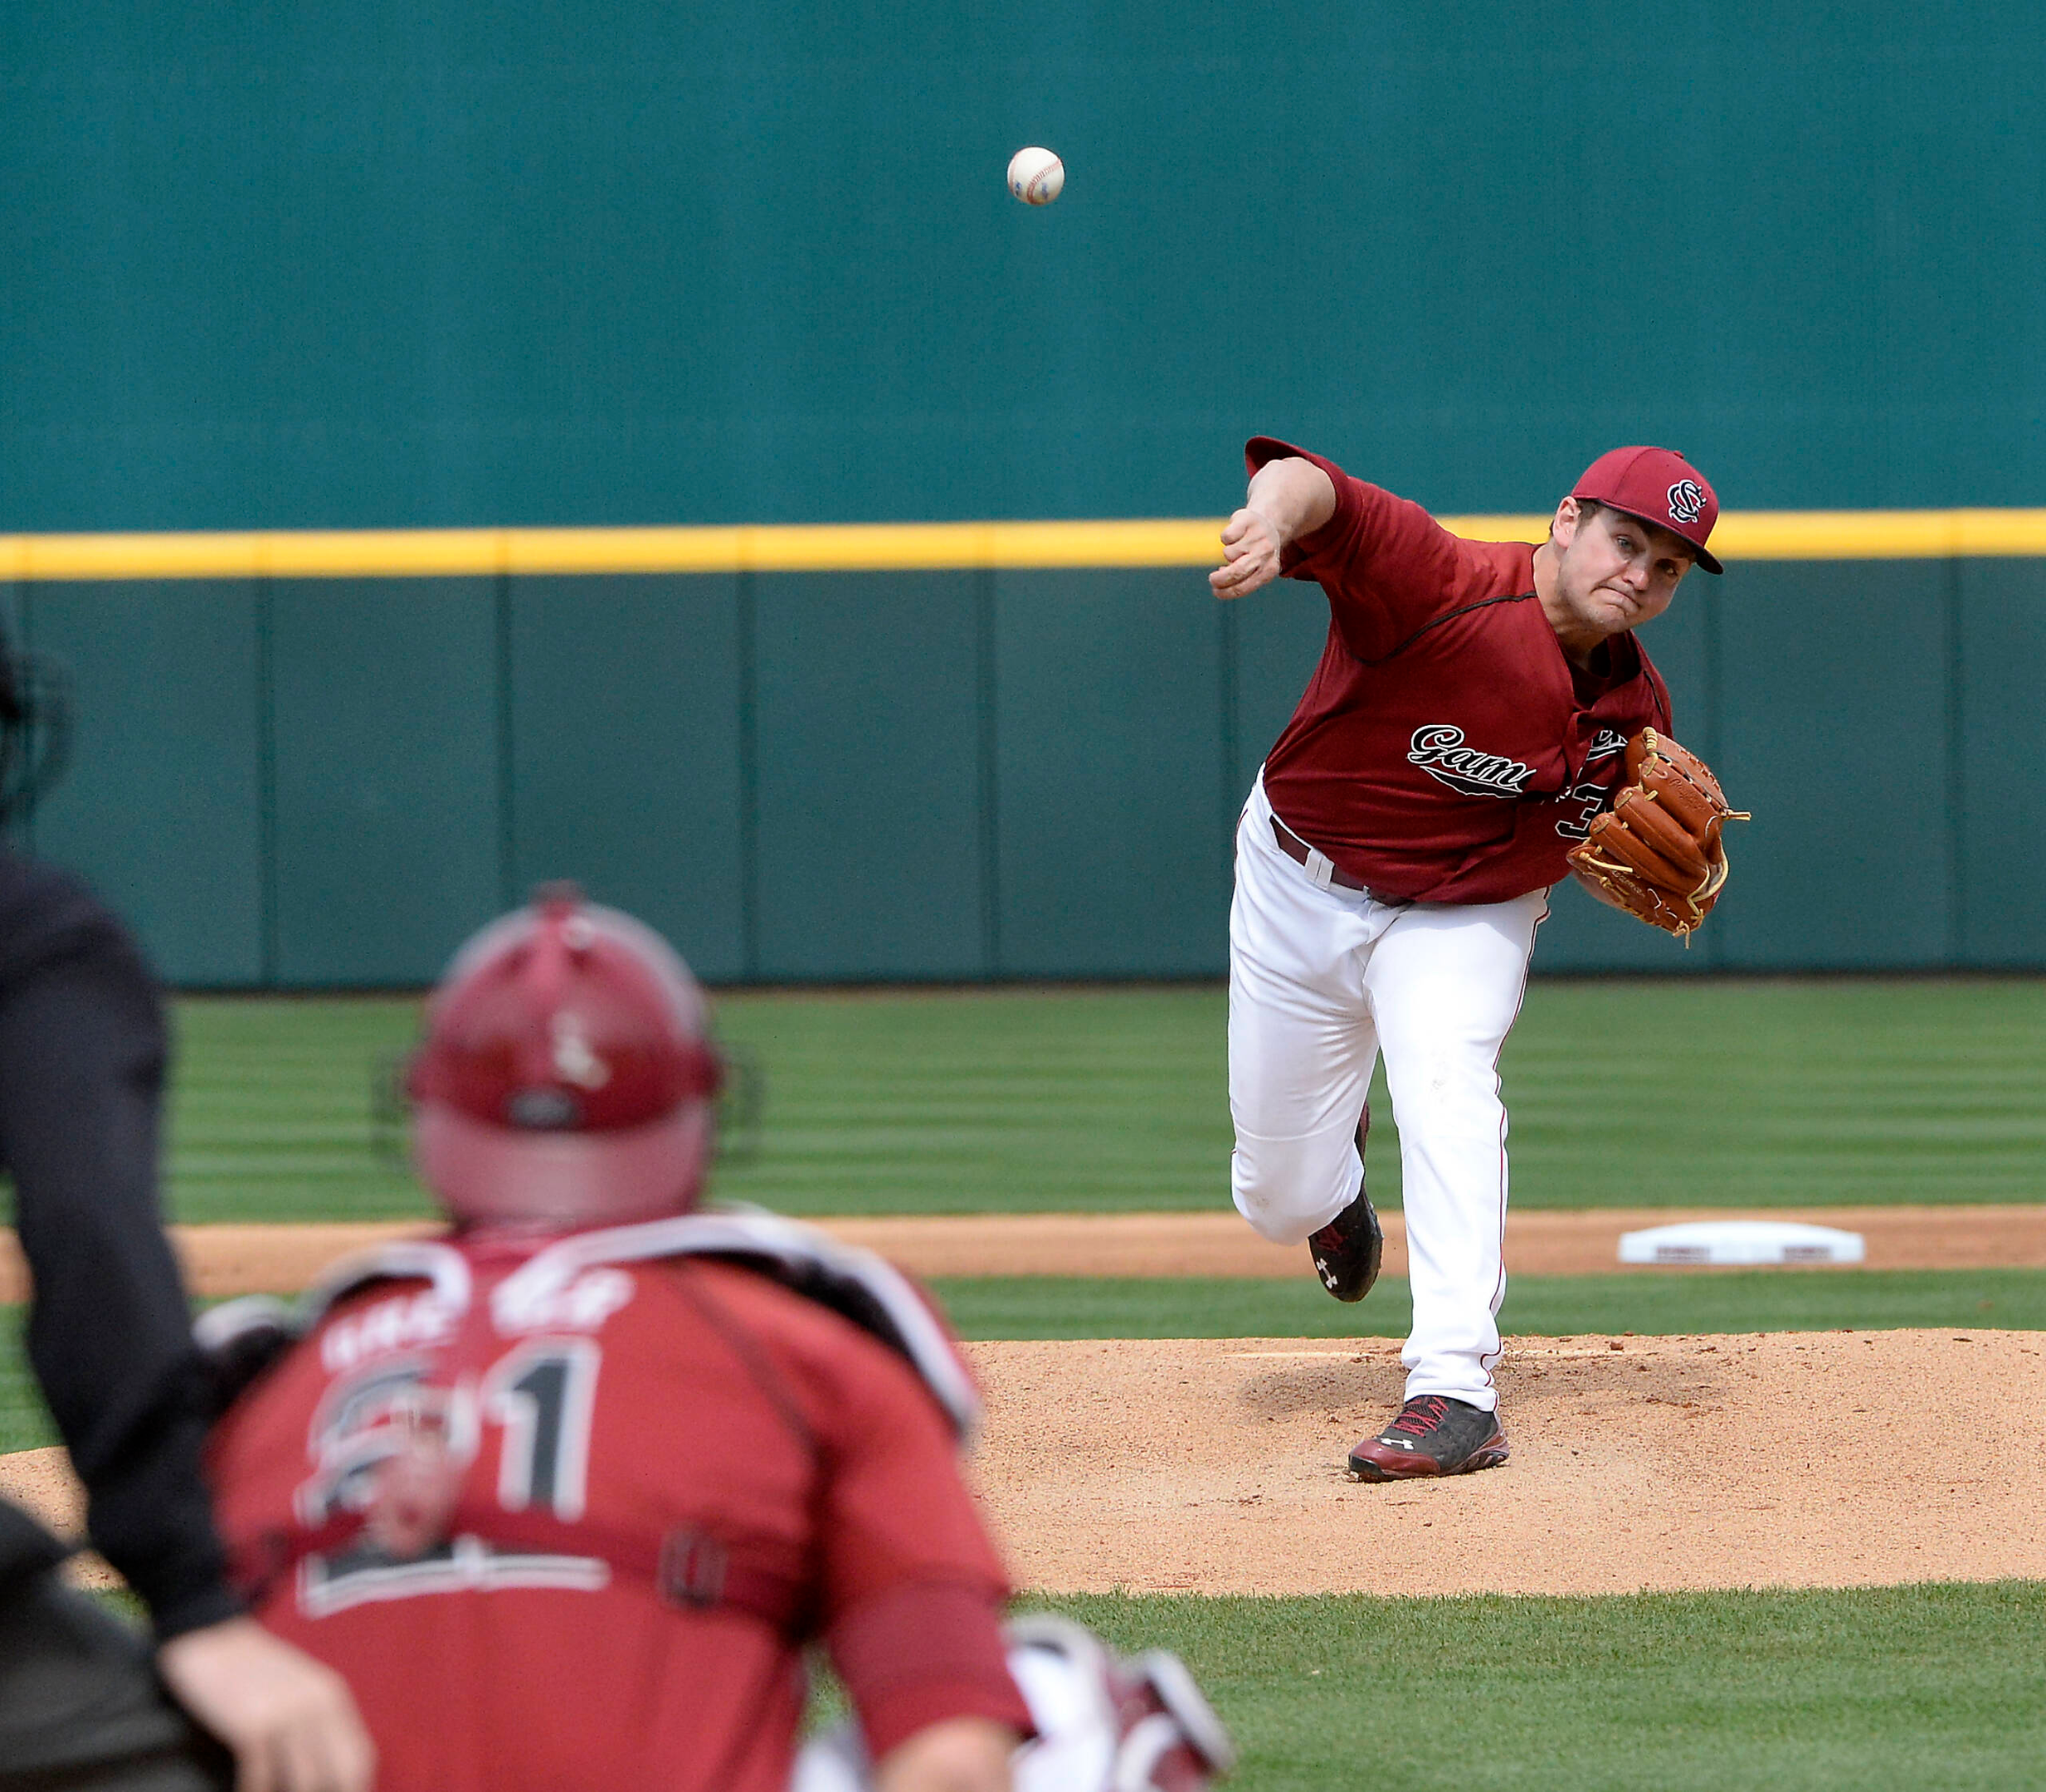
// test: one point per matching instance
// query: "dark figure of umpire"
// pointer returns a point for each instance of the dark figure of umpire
(82, 1696)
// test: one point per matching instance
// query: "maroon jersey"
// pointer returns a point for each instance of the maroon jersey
(672, 1471)
(1445, 750)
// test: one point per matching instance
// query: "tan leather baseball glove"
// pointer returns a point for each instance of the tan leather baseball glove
(1656, 853)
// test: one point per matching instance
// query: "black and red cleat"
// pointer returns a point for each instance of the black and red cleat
(1348, 1251)
(1434, 1434)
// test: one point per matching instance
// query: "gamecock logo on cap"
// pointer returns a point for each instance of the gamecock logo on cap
(1687, 500)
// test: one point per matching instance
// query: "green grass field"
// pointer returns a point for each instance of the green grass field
(1651, 1303)
(1879, 1690)
(1796, 1094)
(23, 1423)
(1801, 1093)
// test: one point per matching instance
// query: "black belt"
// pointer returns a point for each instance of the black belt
(1297, 849)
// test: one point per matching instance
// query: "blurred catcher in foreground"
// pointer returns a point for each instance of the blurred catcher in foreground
(565, 1496)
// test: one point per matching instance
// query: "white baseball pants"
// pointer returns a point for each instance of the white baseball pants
(1321, 979)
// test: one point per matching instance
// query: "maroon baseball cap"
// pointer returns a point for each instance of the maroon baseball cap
(1660, 486)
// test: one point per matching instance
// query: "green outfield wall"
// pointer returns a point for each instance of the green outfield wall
(396, 263)
(697, 274)
(957, 771)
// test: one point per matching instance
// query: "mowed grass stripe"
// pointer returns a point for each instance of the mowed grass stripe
(1649, 1303)
(24, 1421)
(1892, 1689)
(1622, 1093)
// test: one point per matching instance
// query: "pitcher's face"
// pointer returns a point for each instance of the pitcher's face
(1613, 570)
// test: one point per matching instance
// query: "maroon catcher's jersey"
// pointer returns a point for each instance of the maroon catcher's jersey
(1445, 749)
(676, 1471)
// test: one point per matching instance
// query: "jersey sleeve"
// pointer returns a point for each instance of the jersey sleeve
(1388, 567)
(913, 1588)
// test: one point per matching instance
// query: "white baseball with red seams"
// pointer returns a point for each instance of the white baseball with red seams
(1036, 176)
(1466, 723)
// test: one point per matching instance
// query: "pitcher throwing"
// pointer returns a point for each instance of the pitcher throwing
(1466, 724)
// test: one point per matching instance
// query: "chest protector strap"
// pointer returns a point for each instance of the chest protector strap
(241, 1338)
(853, 1282)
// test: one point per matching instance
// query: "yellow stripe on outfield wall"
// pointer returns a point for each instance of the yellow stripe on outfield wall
(444, 554)
(905, 547)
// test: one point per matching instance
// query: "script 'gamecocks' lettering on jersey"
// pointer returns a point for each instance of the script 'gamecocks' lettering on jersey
(1439, 750)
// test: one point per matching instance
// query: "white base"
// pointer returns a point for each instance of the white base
(1740, 1241)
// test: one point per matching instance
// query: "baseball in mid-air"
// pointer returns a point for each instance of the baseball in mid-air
(1036, 177)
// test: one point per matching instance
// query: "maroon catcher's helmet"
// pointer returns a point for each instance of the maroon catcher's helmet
(567, 1075)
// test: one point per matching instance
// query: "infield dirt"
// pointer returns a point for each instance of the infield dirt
(1216, 1466)
(1787, 1459)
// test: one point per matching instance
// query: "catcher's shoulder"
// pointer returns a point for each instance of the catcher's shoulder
(822, 1303)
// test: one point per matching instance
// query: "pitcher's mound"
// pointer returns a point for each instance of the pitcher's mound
(1789, 1459)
